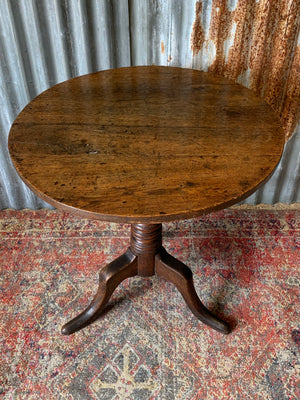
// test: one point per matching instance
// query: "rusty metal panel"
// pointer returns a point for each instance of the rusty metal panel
(253, 42)
(256, 43)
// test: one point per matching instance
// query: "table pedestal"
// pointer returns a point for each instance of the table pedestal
(145, 257)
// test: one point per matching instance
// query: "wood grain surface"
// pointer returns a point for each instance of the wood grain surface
(145, 144)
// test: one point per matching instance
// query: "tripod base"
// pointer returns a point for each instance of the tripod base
(145, 257)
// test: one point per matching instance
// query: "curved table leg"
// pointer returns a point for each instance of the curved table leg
(181, 276)
(110, 277)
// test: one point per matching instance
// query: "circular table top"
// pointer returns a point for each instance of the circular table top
(145, 144)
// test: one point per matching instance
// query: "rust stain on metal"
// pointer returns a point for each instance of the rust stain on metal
(276, 72)
(198, 34)
(290, 108)
(263, 50)
(219, 31)
(162, 47)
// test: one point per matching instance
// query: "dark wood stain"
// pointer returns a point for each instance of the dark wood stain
(145, 144)
(145, 257)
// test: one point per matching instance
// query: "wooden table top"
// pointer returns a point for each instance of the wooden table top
(145, 144)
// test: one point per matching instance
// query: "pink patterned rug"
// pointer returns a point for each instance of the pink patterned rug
(148, 345)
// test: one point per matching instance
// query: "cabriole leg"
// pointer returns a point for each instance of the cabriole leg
(181, 276)
(110, 277)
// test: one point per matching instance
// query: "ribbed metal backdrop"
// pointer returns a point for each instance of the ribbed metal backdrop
(254, 42)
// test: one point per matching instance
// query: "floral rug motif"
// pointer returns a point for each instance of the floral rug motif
(148, 345)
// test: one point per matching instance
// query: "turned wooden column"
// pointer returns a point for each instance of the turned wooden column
(145, 243)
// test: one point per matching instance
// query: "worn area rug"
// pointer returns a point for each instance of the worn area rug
(148, 345)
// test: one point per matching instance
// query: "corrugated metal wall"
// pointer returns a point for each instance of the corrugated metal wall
(254, 42)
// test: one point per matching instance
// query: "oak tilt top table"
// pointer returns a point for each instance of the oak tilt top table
(145, 145)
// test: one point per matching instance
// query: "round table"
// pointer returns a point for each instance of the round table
(145, 145)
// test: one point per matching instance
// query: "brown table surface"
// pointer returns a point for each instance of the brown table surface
(145, 144)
